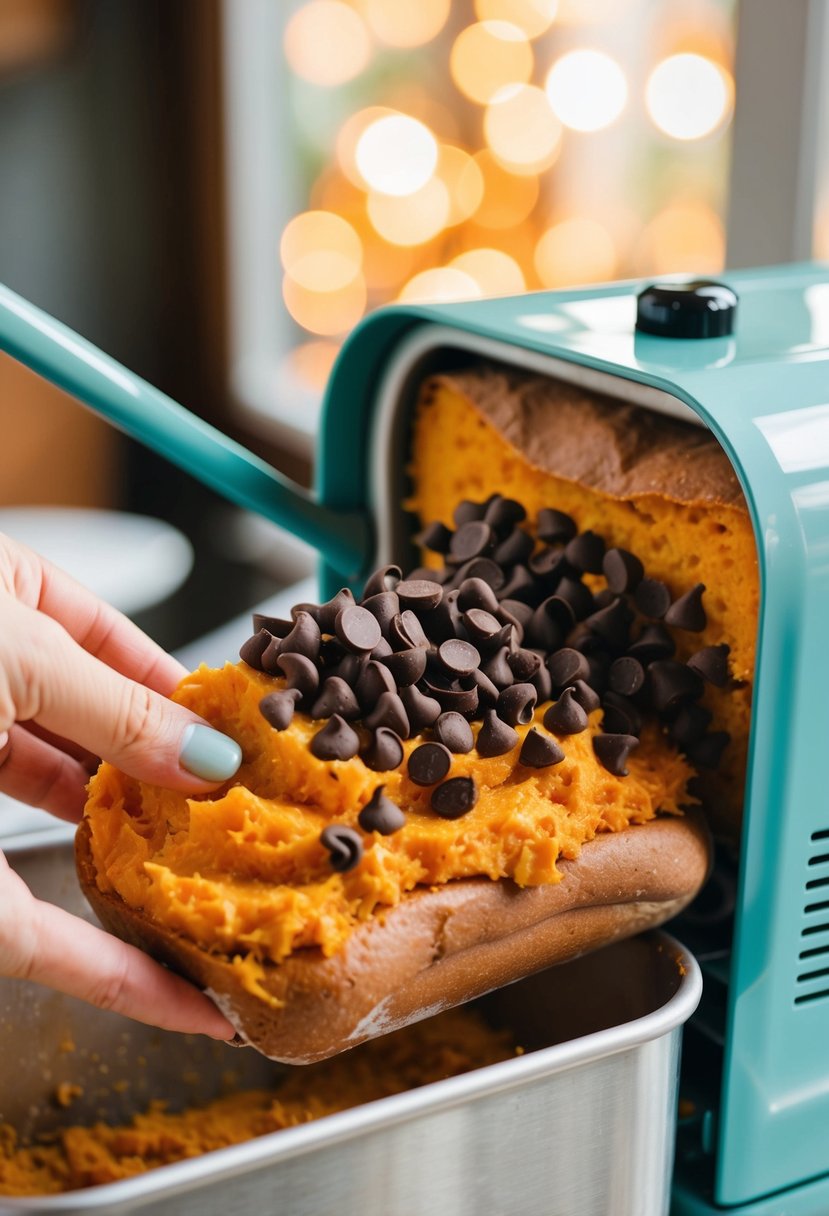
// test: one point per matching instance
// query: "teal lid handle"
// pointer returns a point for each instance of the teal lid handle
(52, 350)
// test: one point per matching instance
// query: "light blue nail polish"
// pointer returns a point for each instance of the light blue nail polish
(208, 754)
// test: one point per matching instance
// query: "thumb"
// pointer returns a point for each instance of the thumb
(55, 682)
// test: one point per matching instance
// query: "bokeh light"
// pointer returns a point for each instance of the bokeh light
(684, 237)
(413, 219)
(575, 251)
(689, 96)
(328, 313)
(587, 90)
(508, 197)
(440, 284)
(533, 17)
(321, 251)
(463, 180)
(310, 363)
(405, 23)
(495, 272)
(487, 56)
(521, 129)
(396, 155)
(327, 43)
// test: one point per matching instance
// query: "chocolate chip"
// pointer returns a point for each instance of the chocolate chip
(458, 695)
(336, 740)
(623, 571)
(566, 666)
(344, 845)
(612, 623)
(381, 815)
(626, 676)
(277, 708)
(654, 642)
(502, 513)
(406, 631)
(477, 593)
(514, 612)
(652, 598)
(576, 595)
(481, 625)
(555, 527)
(712, 664)
(566, 716)
(275, 625)
(430, 574)
(483, 568)
(454, 732)
(419, 594)
(516, 704)
(690, 725)
(539, 751)
(381, 650)
(326, 614)
(586, 696)
(435, 536)
(612, 752)
(385, 578)
(252, 650)
(374, 680)
(384, 607)
(467, 510)
(498, 669)
(406, 666)
(521, 585)
(585, 552)
(454, 797)
(421, 710)
(687, 612)
(487, 691)
(495, 738)
(621, 717)
(542, 684)
(599, 664)
(270, 656)
(299, 673)
(707, 751)
(389, 711)
(304, 638)
(672, 683)
(516, 547)
(384, 752)
(350, 667)
(473, 539)
(429, 763)
(357, 629)
(546, 628)
(336, 697)
(550, 566)
(459, 658)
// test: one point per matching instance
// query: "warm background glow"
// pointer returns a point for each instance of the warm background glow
(457, 149)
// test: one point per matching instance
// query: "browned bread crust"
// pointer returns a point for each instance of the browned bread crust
(586, 437)
(440, 946)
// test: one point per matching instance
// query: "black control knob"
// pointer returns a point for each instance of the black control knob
(699, 308)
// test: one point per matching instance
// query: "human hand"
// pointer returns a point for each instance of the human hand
(79, 681)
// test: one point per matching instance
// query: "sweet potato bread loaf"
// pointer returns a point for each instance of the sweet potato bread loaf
(659, 487)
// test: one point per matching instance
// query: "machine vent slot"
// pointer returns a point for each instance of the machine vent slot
(813, 984)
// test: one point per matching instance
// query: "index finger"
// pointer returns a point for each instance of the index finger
(104, 632)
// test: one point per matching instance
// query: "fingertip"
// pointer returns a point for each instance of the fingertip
(208, 754)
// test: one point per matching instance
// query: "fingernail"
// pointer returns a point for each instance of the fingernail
(209, 754)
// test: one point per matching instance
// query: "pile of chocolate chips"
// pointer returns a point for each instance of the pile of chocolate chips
(506, 623)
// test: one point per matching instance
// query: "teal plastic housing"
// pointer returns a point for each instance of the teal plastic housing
(764, 393)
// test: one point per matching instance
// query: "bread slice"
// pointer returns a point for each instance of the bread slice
(439, 946)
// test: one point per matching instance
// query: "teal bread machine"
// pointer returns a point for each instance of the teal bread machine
(749, 359)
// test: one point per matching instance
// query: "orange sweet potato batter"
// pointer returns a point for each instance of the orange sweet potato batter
(457, 453)
(76, 1157)
(244, 873)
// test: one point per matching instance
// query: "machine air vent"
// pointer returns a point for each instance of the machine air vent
(813, 955)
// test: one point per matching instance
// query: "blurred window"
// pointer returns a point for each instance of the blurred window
(452, 149)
